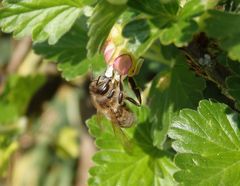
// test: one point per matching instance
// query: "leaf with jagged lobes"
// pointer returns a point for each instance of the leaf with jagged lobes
(177, 22)
(101, 22)
(42, 19)
(207, 142)
(181, 27)
(70, 52)
(172, 90)
(144, 165)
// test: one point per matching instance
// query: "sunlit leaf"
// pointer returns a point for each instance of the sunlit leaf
(208, 145)
(103, 18)
(146, 165)
(43, 19)
(70, 52)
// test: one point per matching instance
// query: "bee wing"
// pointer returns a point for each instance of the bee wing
(99, 119)
(122, 137)
(119, 133)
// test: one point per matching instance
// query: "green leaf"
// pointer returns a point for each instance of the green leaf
(70, 52)
(171, 91)
(113, 166)
(153, 7)
(137, 30)
(233, 85)
(100, 24)
(119, 2)
(43, 19)
(179, 33)
(224, 27)
(233, 81)
(16, 96)
(181, 26)
(162, 13)
(234, 66)
(139, 35)
(208, 145)
(177, 24)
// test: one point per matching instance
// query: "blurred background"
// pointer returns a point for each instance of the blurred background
(43, 137)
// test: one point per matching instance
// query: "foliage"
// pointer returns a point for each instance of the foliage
(114, 166)
(208, 143)
(187, 129)
(164, 96)
(39, 18)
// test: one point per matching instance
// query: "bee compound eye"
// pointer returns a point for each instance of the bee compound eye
(122, 64)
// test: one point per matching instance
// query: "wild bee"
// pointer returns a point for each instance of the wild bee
(109, 99)
(107, 92)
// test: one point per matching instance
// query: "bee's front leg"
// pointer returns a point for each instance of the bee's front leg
(135, 89)
(133, 101)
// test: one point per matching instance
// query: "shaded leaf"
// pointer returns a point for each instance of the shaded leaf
(171, 91)
(180, 27)
(153, 7)
(233, 85)
(224, 27)
(234, 66)
(177, 24)
(137, 30)
(208, 145)
(140, 36)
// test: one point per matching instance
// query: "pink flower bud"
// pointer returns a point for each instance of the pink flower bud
(108, 52)
(122, 64)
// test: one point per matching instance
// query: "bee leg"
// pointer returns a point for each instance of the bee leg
(103, 88)
(120, 98)
(120, 95)
(135, 89)
(99, 77)
(120, 85)
(110, 94)
(133, 101)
